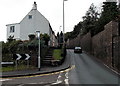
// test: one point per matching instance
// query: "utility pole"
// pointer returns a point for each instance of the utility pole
(63, 22)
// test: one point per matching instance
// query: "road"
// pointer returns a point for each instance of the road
(38, 80)
(84, 70)
(89, 71)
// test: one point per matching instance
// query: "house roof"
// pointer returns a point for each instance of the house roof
(12, 24)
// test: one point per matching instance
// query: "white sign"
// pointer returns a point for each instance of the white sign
(7, 63)
(19, 56)
(27, 56)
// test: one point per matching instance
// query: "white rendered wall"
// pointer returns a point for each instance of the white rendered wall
(16, 33)
(30, 26)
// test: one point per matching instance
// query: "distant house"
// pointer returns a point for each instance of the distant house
(32, 22)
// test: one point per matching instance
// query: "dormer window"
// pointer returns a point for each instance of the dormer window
(30, 16)
(12, 29)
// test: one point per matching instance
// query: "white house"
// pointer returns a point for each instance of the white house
(32, 22)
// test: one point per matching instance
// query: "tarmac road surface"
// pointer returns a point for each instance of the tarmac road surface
(90, 71)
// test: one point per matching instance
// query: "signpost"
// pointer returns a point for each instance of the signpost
(21, 57)
(6, 63)
(38, 36)
(27, 60)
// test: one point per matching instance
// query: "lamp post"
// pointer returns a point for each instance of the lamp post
(63, 22)
(38, 36)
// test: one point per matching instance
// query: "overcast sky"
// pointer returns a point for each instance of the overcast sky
(13, 11)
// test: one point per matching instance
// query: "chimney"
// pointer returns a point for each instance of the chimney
(34, 6)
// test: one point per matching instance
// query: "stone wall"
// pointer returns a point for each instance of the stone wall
(86, 42)
(102, 44)
(116, 52)
(105, 45)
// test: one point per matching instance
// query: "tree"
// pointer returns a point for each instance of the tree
(89, 19)
(75, 32)
(31, 37)
(61, 37)
(46, 38)
(10, 39)
(67, 36)
(110, 11)
(58, 37)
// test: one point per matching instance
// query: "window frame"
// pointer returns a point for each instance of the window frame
(12, 29)
(29, 16)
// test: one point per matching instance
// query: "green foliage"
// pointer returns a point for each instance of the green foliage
(74, 33)
(31, 37)
(13, 46)
(110, 11)
(57, 54)
(10, 39)
(45, 37)
(90, 19)
(20, 47)
(10, 47)
(13, 68)
(67, 35)
(60, 38)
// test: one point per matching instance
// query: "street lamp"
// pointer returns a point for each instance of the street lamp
(63, 22)
(38, 36)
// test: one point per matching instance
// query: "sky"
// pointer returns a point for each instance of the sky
(13, 11)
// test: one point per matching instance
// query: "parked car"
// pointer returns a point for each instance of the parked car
(78, 50)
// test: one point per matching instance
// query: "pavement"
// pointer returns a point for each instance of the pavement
(43, 70)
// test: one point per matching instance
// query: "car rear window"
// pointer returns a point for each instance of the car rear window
(77, 47)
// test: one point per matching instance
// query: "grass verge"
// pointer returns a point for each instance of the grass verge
(13, 68)
(57, 54)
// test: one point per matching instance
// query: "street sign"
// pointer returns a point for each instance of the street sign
(27, 56)
(3, 63)
(21, 56)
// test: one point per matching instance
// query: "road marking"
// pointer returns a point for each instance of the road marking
(58, 80)
(111, 69)
(59, 76)
(21, 85)
(4, 80)
(66, 75)
(66, 70)
(66, 80)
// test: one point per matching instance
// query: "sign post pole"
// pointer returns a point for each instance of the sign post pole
(16, 64)
(38, 36)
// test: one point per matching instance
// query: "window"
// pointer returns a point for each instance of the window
(12, 29)
(30, 16)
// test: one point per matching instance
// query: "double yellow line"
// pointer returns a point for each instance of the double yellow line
(66, 70)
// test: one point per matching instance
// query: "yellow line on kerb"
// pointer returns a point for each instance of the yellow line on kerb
(66, 70)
